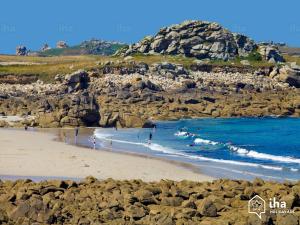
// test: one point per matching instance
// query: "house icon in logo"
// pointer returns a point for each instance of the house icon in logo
(257, 206)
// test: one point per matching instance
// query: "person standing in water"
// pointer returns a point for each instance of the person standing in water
(154, 128)
(150, 138)
(76, 133)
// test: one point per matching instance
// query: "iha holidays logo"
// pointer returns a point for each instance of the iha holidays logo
(257, 205)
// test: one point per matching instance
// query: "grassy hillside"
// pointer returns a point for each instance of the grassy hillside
(47, 67)
(293, 51)
(289, 58)
(91, 47)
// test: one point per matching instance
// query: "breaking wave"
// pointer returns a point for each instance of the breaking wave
(173, 152)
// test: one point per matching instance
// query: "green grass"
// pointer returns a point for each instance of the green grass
(289, 58)
(61, 51)
(254, 59)
(79, 50)
(150, 59)
(48, 67)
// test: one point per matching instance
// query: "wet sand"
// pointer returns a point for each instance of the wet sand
(39, 154)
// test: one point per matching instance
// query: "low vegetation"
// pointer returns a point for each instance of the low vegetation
(91, 47)
(290, 59)
(47, 67)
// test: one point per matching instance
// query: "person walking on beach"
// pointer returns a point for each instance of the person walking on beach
(94, 142)
(65, 137)
(76, 133)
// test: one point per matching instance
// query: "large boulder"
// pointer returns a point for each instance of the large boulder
(45, 47)
(61, 44)
(198, 39)
(290, 75)
(76, 81)
(244, 43)
(3, 123)
(169, 70)
(270, 53)
(21, 50)
(207, 208)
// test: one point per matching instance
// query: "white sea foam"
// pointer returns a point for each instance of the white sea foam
(251, 153)
(101, 135)
(157, 147)
(251, 173)
(170, 151)
(238, 163)
(238, 149)
(152, 146)
(204, 141)
(265, 156)
(181, 133)
(285, 159)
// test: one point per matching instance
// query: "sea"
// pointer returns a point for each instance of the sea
(235, 148)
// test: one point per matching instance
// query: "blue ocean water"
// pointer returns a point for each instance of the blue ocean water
(237, 148)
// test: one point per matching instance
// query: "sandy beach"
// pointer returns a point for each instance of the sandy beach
(37, 154)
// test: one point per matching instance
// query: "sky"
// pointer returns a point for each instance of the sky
(34, 22)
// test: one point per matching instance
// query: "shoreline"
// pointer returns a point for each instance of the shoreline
(51, 158)
(14, 121)
(185, 165)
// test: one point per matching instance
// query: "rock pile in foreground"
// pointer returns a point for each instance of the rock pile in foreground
(136, 202)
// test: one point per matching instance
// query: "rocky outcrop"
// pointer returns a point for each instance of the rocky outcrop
(92, 201)
(198, 39)
(45, 47)
(76, 81)
(21, 50)
(61, 44)
(70, 110)
(67, 103)
(131, 94)
(17, 79)
(270, 53)
(290, 74)
(100, 47)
